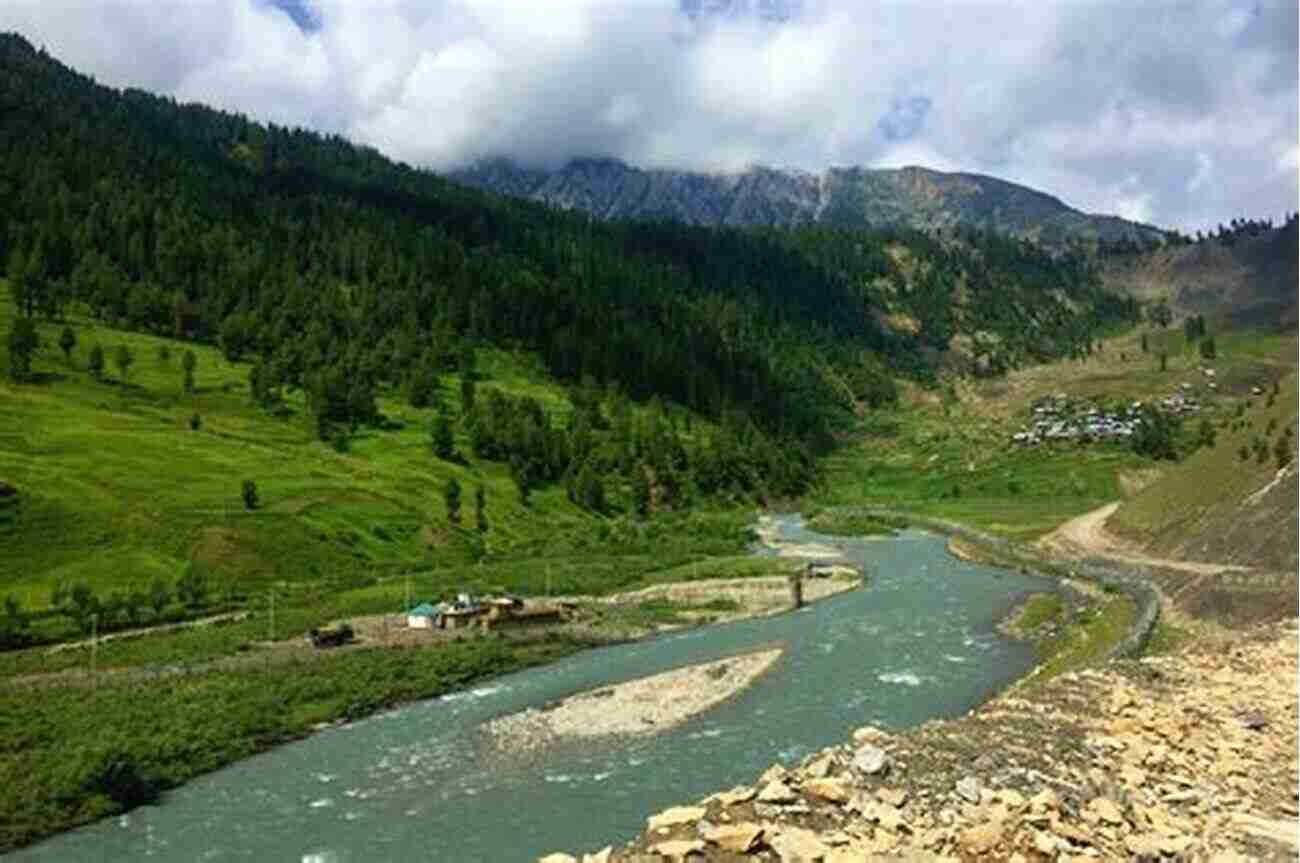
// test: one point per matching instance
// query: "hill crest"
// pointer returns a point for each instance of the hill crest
(850, 196)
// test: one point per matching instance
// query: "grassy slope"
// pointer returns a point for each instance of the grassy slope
(1201, 508)
(117, 490)
(949, 454)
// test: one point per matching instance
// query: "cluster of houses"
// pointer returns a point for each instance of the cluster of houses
(1059, 418)
(485, 612)
(1056, 418)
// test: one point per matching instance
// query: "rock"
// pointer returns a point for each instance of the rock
(890, 819)
(868, 733)
(741, 838)
(1014, 800)
(870, 759)
(895, 797)
(820, 768)
(1044, 801)
(1143, 844)
(601, 856)
(674, 816)
(775, 773)
(969, 789)
(1045, 844)
(739, 794)
(1253, 721)
(834, 790)
(980, 839)
(1173, 845)
(777, 792)
(679, 849)
(797, 845)
(1106, 810)
(557, 858)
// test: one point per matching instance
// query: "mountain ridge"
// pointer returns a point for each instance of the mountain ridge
(849, 196)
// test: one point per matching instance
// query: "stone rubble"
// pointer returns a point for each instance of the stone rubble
(1185, 757)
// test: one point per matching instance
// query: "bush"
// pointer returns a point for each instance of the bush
(118, 777)
(341, 442)
(95, 362)
(192, 586)
(248, 491)
(196, 422)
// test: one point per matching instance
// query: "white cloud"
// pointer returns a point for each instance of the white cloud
(1183, 114)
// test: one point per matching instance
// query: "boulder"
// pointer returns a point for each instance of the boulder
(834, 790)
(796, 845)
(739, 794)
(557, 858)
(870, 759)
(895, 797)
(981, 839)
(740, 838)
(1106, 810)
(777, 792)
(675, 815)
(679, 849)
(969, 789)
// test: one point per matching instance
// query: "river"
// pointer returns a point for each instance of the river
(423, 783)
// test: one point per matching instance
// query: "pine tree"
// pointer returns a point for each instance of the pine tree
(123, 358)
(23, 341)
(95, 362)
(442, 438)
(480, 509)
(189, 363)
(451, 497)
(67, 341)
(641, 491)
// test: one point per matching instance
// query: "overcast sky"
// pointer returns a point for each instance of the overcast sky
(1183, 114)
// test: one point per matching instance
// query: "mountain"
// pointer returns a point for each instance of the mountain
(343, 273)
(1241, 277)
(911, 197)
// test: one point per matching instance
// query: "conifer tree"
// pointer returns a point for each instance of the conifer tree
(451, 497)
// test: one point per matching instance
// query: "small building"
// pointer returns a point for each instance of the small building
(423, 616)
(519, 615)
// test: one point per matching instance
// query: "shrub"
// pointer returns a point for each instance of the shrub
(196, 422)
(248, 491)
(95, 362)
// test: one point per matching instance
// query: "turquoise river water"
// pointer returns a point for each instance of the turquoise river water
(422, 783)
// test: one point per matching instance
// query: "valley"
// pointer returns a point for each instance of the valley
(261, 383)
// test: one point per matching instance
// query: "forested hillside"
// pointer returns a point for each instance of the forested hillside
(334, 271)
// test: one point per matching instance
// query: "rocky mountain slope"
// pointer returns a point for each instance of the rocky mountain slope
(850, 197)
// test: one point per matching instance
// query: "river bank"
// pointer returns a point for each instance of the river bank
(647, 705)
(1188, 756)
(919, 643)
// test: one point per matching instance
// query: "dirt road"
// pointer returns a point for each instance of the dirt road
(1086, 536)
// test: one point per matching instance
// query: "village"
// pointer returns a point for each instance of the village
(1058, 417)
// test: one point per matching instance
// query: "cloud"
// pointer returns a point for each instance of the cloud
(1182, 114)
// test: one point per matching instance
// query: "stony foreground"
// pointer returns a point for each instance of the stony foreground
(1183, 757)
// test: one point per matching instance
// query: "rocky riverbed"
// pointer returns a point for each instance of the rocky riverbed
(648, 705)
(1184, 757)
